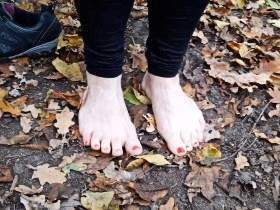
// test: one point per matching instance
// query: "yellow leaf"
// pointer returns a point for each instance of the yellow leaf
(155, 159)
(97, 200)
(70, 41)
(6, 106)
(70, 71)
(134, 164)
(211, 151)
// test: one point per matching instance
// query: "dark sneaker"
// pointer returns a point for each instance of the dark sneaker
(27, 34)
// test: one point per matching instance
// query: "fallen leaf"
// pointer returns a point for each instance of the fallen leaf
(27, 190)
(275, 94)
(18, 139)
(64, 121)
(97, 200)
(33, 202)
(148, 194)
(72, 98)
(170, 205)
(142, 98)
(33, 110)
(47, 174)
(241, 161)
(5, 174)
(155, 159)
(26, 124)
(130, 96)
(5, 106)
(274, 140)
(120, 175)
(69, 40)
(211, 133)
(207, 154)
(151, 127)
(134, 164)
(202, 179)
(70, 71)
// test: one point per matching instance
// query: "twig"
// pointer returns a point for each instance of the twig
(243, 142)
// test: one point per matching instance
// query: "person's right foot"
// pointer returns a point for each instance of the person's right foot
(104, 120)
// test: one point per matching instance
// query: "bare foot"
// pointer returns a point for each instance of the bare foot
(104, 120)
(179, 120)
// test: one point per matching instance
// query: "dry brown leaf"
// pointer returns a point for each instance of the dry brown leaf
(241, 161)
(148, 194)
(72, 98)
(275, 94)
(27, 190)
(70, 71)
(5, 174)
(26, 124)
(47, 174)
(21, 138)
(170, 205)
(69, 40)
(223, 71)
(33, 110)
(119, 175)
(203, 178)
(274, 140)
(5, 106)
(64, 121)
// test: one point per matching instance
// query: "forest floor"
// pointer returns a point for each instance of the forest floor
(232, 71)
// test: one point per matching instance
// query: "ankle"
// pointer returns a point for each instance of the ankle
(102, 84)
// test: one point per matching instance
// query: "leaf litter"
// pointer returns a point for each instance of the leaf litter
(245, 61)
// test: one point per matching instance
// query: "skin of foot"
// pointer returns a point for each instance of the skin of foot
(104, 121)
(179, 121)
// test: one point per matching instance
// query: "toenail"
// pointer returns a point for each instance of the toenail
(135, 147)
(180, 150)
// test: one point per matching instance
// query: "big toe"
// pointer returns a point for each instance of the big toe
(175, 144)
(133, 145)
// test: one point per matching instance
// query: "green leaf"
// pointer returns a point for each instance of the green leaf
(130, 97)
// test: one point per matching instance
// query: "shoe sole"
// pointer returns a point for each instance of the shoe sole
(40, 50)
(37, 51)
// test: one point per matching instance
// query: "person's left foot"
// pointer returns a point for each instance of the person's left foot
(179, 120)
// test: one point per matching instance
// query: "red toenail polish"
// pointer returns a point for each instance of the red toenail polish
(135, 148)
(180, 150)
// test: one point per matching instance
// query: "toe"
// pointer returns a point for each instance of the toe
(133, 145)
(95, 141)
(187, 139)
(106, 146)
(117, 148)
(176, 145)
(86, 139)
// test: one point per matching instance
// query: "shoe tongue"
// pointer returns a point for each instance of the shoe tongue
(8, 10)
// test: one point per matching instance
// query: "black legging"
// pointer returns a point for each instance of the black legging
(171, 25)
